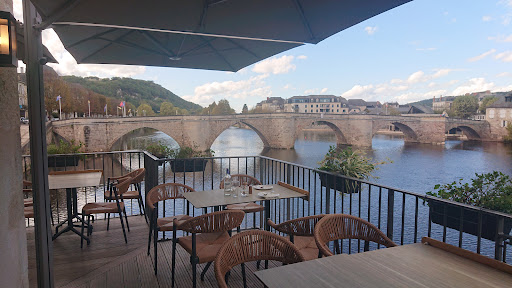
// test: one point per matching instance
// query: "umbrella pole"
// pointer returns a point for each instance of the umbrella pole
(38, 159)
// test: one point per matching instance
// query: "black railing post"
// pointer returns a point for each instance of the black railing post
(262, 178)
(500, 240)
(151, 166)
(391, 212)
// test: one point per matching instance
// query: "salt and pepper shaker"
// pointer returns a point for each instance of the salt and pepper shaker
(250, 189)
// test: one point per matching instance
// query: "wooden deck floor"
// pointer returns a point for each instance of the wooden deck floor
(109, 262)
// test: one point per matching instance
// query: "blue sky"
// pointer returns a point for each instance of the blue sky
(422, 49)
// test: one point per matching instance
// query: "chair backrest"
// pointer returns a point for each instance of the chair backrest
(243, 178)
(219, 221)
(304, 226)
(251, 246)
(27, 186)
(165, 192)
(139, 175)
(122, 187)
(342, 226)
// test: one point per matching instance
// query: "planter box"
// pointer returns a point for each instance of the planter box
(338, 183)
(188, 165)
(63, 161)
(470, 224)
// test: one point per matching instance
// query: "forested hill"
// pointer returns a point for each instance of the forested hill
(133, 90)
(426, 102)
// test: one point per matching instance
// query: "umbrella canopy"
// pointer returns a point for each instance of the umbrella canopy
(105, 45)
(20, 44)
(308, 21)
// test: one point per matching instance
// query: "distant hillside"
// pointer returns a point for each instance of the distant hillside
(133, 91)
(426, 102)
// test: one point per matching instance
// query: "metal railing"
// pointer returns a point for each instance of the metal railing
(404, 216)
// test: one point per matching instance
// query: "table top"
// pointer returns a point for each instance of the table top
(415, 265)
(203, 199)
(74, 179)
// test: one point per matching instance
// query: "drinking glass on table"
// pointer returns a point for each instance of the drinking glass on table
(245, 190)
(236, 187)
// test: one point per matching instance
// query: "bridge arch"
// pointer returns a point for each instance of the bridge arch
(470, 133)
(410, 134)
(122, 134)
(215, 133)
(340, 137)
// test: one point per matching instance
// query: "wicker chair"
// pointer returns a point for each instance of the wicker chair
(250, 207)
(107, 207)
(209, 233)
(160, 193)
(251, 246)
(301, 232)
(341, 226)
(138, 177)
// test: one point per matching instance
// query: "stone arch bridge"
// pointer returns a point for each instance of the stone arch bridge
(276, 130)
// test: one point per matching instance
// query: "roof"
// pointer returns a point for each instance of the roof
(502, 103)
(356, 102)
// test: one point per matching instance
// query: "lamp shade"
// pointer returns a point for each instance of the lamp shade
(7, 40)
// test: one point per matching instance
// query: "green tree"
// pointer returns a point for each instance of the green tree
(223, 108)
(145, 110)
(487, 102)
(464, 106)
(167, 109)
(245, 110)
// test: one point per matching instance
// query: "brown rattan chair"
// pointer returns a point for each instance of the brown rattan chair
(342, 226)
(250, 207)
(301, 232)
(208, 233)
(137, 178)
(160, 193)
(253, 245)
(107, 207)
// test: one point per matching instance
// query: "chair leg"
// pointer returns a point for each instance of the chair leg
(108, 221)
(258, 263)
(82, 232)
(205, 269)
(193, 261)
(173, 254)
(243, 275)
(155, 247)
(149, 240)
(125, 217)
(122, 225)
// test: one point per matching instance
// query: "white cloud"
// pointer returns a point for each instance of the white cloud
(473, 85)
(452, 82)
(505, 56)
(441, 73)
(288, 86)
(432, 84)
(315, 91)
(482, 56)
(501, 38)
(396, 81)
(281, 65)
(418, 76)
(486, 18)
(357, 91)
(504, 74)
(254, 87)
(371, 30)
(302, 57)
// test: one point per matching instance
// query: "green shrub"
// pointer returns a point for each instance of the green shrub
(349, 163)
(491, 191)
(508, 138)
(64, 147)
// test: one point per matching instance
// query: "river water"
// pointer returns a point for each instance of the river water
(412, 167)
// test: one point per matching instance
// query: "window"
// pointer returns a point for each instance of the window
(316, 105)
(311, 105)
(338, 105)
(504, 123)
(503, 113)
(306, 111)
(317, 110)
(338, 110)
(491, 113)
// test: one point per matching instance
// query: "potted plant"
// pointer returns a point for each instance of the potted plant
(346, 162)
(491, 191)
(63, 148)
(181, 161)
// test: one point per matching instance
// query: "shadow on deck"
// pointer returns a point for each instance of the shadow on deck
(109, 262)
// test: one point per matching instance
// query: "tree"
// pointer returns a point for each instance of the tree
(223, 108)
(145, 110)
(487, 102)
(245, 110)
(167, 109)
(464, 106)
